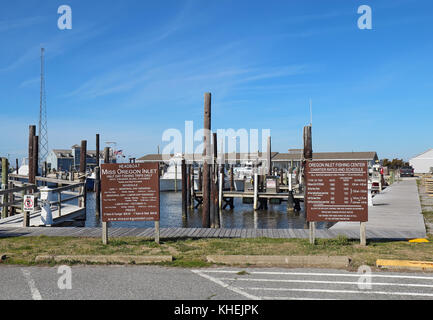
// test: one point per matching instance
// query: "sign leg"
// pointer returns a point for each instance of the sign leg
(157, 232)
(104, 232)
(312, 226)
(363, 234)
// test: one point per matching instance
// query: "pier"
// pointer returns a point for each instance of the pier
(60, 197)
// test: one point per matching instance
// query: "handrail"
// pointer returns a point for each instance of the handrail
(43, 179)
(72, 186)
(24, 188)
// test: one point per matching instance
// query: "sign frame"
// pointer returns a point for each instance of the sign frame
(336, 183)
(133, 188)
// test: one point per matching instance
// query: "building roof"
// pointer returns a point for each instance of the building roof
(199, 157)
(422, 154)
(371, 155)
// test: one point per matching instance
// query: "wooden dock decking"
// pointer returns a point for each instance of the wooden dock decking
(200, 233)
(68, 212)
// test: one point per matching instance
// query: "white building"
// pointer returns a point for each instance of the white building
(422, 163)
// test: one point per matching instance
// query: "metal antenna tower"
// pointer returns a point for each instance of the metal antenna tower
(43, 129)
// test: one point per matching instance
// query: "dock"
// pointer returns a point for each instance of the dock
(60, 197)
(395, 211)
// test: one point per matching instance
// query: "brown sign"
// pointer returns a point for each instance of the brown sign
(130, 192)
(336, 190)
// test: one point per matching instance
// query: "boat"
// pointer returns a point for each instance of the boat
(171, 180)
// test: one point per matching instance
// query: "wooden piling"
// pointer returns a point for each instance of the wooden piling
(83, 157)
(106, 155)
(200, 179)
(12, 209)
(97, 190)
(32, 133)
(97, 150)
(214, 213)
(17, 165)
(232, 179)
(4, 186)
(175, 177)
(256, 189)
(206, 161)
(188, 185)
(83, 167)
(184, 189)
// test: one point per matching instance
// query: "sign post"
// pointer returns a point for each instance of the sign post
(337, 191)
(130, 192)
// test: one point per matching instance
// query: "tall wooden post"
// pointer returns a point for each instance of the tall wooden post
(175, 177)
(97, 150)
(106, 155)
(188, 185)
(232, 180)
(215, 214)
(184, 190)
(83, 167)
(97, 190)
(206, 162)
(32, 133)
(17, 165)
(4, 186)
(308, 155)
(83, 157)
(200, 179)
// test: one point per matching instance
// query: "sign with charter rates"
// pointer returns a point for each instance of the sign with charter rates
(130, 192)
(336, 190)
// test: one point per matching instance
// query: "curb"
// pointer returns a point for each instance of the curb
(106, 259)
(293, 261)
(405, 264)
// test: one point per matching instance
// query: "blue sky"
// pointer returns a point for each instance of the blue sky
(131, 69)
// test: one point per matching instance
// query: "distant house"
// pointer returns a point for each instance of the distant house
(279, 160)
(65, 159)
(283, 160)
(422, 163)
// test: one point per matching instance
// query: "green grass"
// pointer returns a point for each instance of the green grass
(191, 253)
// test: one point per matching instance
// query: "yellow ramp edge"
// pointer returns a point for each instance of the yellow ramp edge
(404, 264)
(419, 240)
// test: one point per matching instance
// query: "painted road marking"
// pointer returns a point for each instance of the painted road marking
(357, 275)
(230, 282)
(36, 295)
(330, 282)
(227, 286)
(343, 291)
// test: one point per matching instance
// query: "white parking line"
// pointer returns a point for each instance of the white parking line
(376, 275)
(226, 286)
(33, 290)
(295, 298)
(329, 282)
(342, 291)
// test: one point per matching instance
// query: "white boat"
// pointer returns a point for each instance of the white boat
(171, 180)
(24, 168)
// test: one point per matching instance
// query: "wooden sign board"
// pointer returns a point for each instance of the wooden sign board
(336, 190)
(130, 192)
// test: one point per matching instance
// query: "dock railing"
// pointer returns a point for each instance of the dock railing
(81, 194)
(13, 197)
